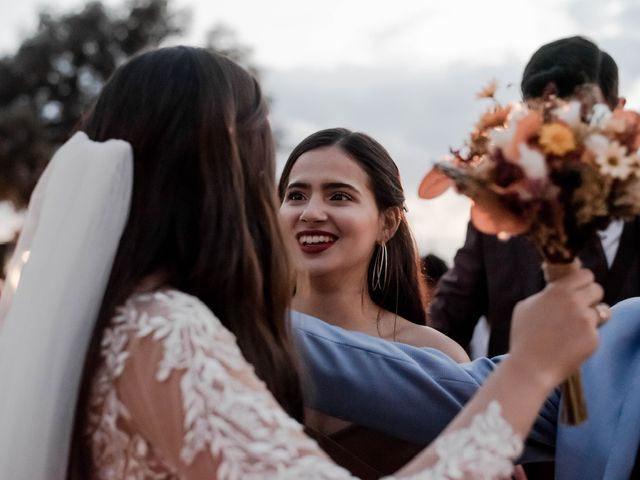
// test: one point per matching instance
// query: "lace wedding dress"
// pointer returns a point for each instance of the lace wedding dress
(174, 398)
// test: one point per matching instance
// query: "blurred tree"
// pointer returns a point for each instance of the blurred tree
(46, 85)
(56, 73)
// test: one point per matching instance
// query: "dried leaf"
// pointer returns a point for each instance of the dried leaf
(434, 184)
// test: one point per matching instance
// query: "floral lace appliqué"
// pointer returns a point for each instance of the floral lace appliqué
(240, 426)
(482, 451)
(238, 422)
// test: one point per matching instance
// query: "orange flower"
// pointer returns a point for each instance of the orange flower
(489, 91)
(493, 118)
(632, 124)
(557, 139)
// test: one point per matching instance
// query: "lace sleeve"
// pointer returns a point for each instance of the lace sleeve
(191, 403)
(483, 451)
(176, 399)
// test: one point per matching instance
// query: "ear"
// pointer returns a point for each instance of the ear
(621, 102)
(390, 220)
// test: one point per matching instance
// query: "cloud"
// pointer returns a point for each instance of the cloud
(417, 115)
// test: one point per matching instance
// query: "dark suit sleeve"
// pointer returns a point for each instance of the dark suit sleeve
(462, 298)
(406, 392)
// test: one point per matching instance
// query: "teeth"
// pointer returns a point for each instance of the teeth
(312, 239)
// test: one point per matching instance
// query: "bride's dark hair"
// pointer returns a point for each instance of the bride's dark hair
(204, 205)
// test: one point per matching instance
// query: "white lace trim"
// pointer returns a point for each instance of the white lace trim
(483, 451)
(236, 424)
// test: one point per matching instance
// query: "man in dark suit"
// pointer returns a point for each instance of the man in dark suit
(490, 276)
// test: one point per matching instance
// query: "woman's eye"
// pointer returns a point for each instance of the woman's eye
(295, 196)
(340, 196)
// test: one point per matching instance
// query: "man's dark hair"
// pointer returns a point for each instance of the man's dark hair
(568, 63)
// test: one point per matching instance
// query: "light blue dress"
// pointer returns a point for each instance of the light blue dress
(412, 393)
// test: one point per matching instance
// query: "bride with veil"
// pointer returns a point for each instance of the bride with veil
(147, 336)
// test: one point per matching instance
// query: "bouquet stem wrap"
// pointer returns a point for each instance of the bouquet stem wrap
(574, 403)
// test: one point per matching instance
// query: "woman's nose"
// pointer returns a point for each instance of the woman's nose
(313, 212)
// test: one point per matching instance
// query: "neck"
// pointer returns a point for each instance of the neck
(337, 301)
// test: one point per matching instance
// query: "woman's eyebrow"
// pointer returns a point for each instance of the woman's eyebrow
(339, 185)
(301, 185)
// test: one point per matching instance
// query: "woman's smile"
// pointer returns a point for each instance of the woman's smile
(315, 241)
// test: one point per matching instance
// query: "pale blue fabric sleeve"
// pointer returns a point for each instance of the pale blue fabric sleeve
(411, 393)
(606, 445)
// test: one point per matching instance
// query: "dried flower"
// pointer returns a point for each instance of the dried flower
(557, 139)
(596, 142)
(557, 171)
(600, 116)
(532, 162)
(629, 198)
(613, 161)
(525, 128)
(489, 91)
(569, 113)
(496, 117)
(630, 133)
(554, 169)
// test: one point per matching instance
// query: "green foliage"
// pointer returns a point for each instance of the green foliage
(52, 78)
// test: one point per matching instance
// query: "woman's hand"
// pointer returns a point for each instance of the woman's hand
(554, 331)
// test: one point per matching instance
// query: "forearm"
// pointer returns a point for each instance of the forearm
(517, 391)
(403, 391)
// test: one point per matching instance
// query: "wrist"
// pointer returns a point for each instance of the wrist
(538, 378)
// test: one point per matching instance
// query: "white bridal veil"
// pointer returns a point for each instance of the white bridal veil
(54, 288)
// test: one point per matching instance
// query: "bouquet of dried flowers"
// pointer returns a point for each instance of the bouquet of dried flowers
(557, 170)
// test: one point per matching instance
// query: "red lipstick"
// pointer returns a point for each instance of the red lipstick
(315, 241)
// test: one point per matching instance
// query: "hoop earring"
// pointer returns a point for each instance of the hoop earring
(380, 266)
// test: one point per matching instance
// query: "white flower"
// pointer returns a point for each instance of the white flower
(518, 111)
(600, 115)
(501, 137)
(532, 162)
(613, 160)
(596, 143)
(569, 113)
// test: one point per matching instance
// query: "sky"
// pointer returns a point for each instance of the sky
(405, 72)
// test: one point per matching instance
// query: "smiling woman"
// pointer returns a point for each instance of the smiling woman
(343, 213)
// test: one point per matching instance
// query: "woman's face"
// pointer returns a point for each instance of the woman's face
(329, 214)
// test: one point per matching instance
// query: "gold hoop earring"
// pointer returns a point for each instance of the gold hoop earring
(380, 266)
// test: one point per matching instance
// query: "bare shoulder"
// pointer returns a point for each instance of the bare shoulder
(423, 336)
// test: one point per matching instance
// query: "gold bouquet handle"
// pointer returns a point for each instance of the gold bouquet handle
(574, 402)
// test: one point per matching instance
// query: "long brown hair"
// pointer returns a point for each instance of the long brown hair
(204, 205)
(404, 291)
